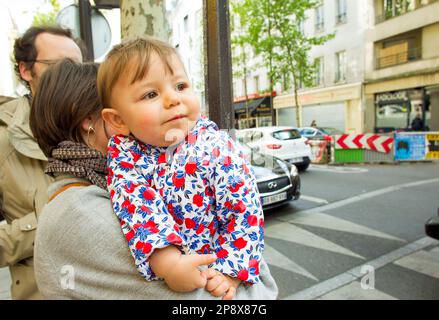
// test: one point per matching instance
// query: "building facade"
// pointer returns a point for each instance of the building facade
(186, 23)
(336, 100)
(402, 66)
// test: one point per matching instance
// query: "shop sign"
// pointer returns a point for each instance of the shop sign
(391, 96)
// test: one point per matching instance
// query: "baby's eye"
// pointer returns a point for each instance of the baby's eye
(150, 95)
(181, 86)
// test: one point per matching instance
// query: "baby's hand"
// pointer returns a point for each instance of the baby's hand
(220, 285)
(184, 275)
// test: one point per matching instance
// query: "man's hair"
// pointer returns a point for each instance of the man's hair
(25, 50)
(66, 97)
(122, 59)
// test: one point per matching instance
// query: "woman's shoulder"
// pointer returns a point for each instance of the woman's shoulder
(74, 205)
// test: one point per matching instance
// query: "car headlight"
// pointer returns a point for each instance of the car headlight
(293, 171)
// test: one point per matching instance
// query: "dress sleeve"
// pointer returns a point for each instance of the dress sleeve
(145, 220)
(239, 238)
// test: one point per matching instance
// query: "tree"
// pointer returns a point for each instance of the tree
(274, 30)
(49, 18)
(140, 18)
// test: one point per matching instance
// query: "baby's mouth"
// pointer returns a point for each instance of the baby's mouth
(177, 117)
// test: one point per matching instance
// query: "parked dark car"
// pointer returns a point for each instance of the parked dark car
(278, 181)
(432, 227)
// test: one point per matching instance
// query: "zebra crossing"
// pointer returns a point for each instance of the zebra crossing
(288, 240)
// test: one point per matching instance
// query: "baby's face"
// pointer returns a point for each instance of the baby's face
(162, 107)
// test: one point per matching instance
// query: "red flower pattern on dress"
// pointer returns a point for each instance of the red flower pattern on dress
(202, 198)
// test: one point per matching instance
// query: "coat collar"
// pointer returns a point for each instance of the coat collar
(20, 135)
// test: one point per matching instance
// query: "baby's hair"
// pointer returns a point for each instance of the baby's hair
(123, 57)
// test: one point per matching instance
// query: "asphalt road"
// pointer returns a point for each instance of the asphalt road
(356, 233)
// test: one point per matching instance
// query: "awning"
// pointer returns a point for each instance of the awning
(252, 105)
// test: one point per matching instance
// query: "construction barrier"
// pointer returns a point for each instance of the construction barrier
(358, 148)
(416, 146)
(319, 149)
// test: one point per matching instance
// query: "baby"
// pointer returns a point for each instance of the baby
(179, 186)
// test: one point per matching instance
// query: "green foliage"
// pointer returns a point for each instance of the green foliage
(273, 29)
(47, 19)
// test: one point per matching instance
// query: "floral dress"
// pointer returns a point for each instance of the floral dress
(201, 197)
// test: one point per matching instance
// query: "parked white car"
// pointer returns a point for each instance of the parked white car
(285, 143)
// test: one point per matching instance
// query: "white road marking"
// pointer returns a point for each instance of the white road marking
(291, 233)
(347, 277)
(422, 261)
(327, 221)
(335, 169)
(275, 258)
(313, 199)
(354, 291)
(359, 198)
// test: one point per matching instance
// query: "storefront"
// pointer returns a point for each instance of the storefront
(254, 112)
(404, 110)
(337, 107)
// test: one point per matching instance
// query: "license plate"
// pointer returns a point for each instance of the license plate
(274, 198)
(296, 160)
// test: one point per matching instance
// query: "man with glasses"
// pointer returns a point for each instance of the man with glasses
(23, 184)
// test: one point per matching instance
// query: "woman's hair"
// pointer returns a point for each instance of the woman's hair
(130, 56)
(65, 97)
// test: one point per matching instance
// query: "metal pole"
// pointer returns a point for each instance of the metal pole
(85, 24)
(218, 74)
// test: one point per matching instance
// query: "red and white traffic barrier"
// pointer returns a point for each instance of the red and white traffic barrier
(369, 141)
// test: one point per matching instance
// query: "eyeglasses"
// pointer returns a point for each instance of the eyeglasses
(46, 62)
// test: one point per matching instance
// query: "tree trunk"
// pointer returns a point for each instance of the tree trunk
(141, 17)
(298, 105)
(244, 58)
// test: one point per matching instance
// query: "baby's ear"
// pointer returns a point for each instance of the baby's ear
(114, 120)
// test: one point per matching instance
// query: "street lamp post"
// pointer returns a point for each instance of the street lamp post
(85, 26)
(218, 75)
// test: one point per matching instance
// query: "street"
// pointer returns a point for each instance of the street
(356, 233)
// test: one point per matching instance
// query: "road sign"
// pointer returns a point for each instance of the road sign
(368, 141)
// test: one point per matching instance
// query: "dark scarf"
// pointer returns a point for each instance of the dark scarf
(80, 161)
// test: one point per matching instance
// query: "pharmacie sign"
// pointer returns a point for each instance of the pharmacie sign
(391, 97)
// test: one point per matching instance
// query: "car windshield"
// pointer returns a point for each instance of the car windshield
(288, 134)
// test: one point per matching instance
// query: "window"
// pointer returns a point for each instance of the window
(256, 79)
(289, 134)
(340, 75)
(319, 18)
(341, 11)
(401, 49)
(320, 69)
(186, 24)
(302, 27)
(394, 8)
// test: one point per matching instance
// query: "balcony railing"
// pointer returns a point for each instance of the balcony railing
(399, 58)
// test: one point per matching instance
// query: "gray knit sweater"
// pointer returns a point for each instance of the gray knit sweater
(81, 253)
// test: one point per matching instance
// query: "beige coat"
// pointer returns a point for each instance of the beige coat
(23, 193)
